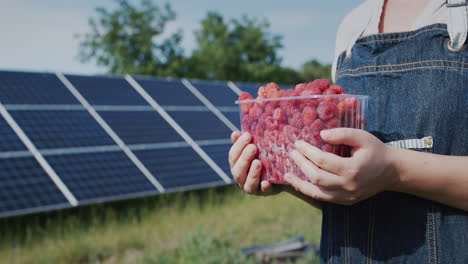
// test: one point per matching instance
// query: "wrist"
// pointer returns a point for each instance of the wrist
(394, 162)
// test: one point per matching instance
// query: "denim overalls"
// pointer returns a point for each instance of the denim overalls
(419, 100)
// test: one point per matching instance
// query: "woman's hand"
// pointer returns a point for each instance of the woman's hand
(246, 169)
(344, 180)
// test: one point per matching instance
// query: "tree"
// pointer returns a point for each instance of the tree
(313, 69)
(128, 40)
(242, 50)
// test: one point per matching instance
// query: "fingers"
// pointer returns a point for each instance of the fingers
(239, 145)
(324, 160)
(307, 188)
(253, 178)
(235, 136)
(266, 187)
(314, 174)
(243, 163)
(346, 136)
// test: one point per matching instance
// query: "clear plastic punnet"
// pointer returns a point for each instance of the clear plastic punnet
(277, 123)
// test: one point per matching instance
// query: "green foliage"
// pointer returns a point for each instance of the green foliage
(128, 40)
(204, 225)
(313, 69)
(242, 50)
(202, 248)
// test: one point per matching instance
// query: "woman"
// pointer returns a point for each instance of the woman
(387, 203)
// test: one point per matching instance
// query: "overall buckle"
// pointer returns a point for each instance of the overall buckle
(456, 4)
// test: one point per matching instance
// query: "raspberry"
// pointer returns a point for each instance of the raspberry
(272, 86)
(334, 89)
(310, 92)
(279, 115)
(351, 103)
(245, 107)
(316, 140)
(259, 131)
(322, 84)
(297, 120)
(301, 86)
(290, 131)
(276, 94)
(326, 110)
(271, 90)
(332, 123)
(262, 92)
(341, 106)
(271, 124)
(317, 125)
(309, 114)
(288, 93)
(255, 112)
(269, 108)
(311, 102)
(245, 96)
(295, 93)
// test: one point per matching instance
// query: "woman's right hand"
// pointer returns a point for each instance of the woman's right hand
(245, 168)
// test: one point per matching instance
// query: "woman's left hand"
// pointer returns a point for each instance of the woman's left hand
(344, 180)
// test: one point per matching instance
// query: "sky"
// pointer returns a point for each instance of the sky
(42, 35)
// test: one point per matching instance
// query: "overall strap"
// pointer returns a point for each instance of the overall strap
(458, 23)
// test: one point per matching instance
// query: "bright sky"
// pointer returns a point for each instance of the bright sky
(41, 35)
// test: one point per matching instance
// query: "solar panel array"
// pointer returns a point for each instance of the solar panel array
(68, 140)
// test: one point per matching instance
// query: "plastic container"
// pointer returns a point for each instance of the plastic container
(276, 123)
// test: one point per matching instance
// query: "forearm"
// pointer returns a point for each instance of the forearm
(435, 177)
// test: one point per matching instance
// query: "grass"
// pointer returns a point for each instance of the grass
(208, 226)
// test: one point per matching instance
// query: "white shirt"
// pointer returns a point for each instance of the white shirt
(364, 20)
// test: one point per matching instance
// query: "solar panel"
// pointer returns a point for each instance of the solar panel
(33, 88)
(100, 176)
(219, 154)
(86, 159)
(25, 187)
(106, 90)
(168, 92)
(201, 125)
(251, 88)
(234, 117)
(179, 168)
(140, 127)
(218, 93)
(9, 141)
(61, 129)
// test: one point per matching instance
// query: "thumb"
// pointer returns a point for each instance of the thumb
(346, 136)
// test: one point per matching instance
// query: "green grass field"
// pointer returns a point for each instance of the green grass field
(207, 226)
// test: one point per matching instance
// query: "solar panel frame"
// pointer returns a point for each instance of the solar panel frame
(219, 154)
(32, 176)
(183, 156)
(218, 93)
(177, 127)
(178, 96)
(234, 117)
(33, 88)
(137, 107)
(140, 127)
(192, 122)
(96, 90)
(114, 163)
(9, 141)
(61, 129)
